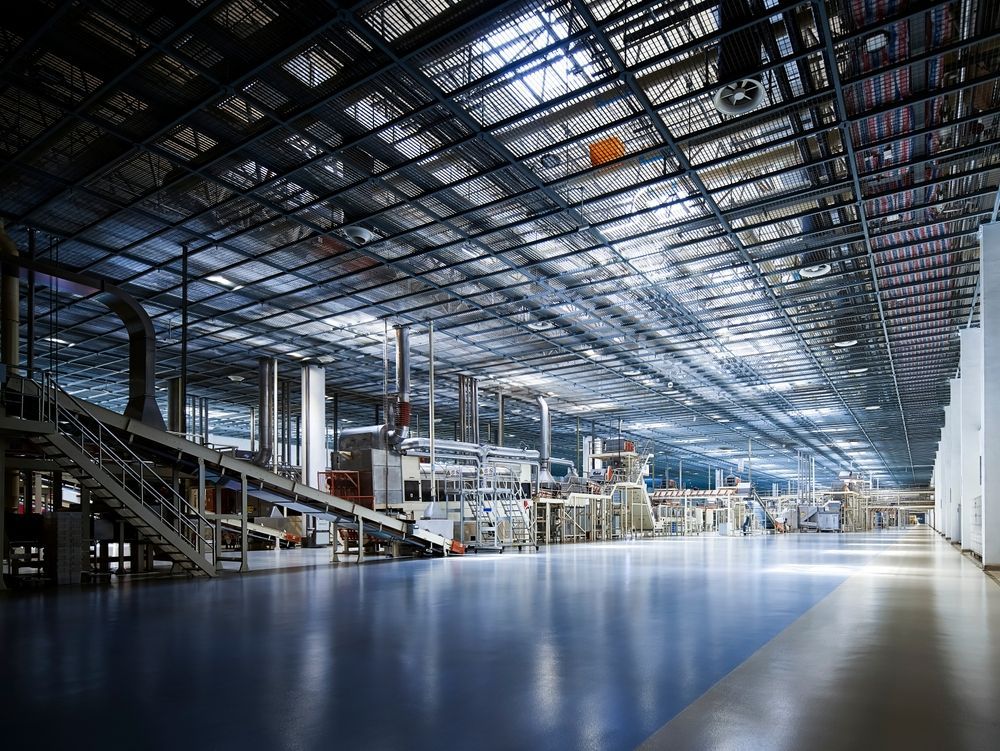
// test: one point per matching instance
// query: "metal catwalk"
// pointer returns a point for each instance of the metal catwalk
(579, 647)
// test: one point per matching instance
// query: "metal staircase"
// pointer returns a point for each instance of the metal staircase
(504, 493)
(764, 517)
(81, 445)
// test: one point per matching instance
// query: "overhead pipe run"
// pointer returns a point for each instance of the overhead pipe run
(545, 445)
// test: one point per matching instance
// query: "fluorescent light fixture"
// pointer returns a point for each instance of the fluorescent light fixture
(57, 340)
(723, 420)
(873, 407)
(857, 371)
(844, 343)
(223, 282)
(296, 355)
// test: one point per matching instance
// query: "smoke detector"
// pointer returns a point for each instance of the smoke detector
(738, 97)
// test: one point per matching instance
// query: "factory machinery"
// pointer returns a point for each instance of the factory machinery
(184, 507)
(87, 492)
(477, 494)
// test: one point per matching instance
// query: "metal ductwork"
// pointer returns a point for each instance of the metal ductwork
(545, 444)
(267, 398)
(468, 409)
(739, 60)
(142, 404)
(400, 427)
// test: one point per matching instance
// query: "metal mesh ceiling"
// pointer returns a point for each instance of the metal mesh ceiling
(696, 283)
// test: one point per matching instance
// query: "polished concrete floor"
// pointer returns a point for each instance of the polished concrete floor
(882, 641)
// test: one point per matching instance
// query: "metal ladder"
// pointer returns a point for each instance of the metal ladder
(115, 475)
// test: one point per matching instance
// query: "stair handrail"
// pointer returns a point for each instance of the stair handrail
(767, 514)
(182, 510)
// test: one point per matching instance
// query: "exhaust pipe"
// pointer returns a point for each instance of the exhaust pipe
(267, 368)
(545, 444)
(401, 420)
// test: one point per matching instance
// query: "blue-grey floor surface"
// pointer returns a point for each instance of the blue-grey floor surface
(593, 646)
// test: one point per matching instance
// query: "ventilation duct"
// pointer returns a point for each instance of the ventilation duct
(267, 400)
(739, 60)
(142, 404)
(400, 427)
(468, 409)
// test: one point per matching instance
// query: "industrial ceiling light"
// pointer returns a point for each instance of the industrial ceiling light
(237, 378)
(813, 272)
(223, 282)
(358, 235)
(873, 407)
(857, 371)
(844, 343)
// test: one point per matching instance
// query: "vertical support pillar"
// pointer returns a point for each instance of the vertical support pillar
(336, 431)
(955, 462)
(84, 533)
(313, 453)
(361, 540)
(500, 420)
(971, 412)
(9, 335)
(989, 316)
(431, 428)
(946, 474)
(30, 307)
(244, 564)
(3, 508)
(176, 414)
(121, 549)
(201, 503)
(180, 388)
(334, 543)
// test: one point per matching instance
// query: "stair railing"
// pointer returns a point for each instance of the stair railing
(109, 452)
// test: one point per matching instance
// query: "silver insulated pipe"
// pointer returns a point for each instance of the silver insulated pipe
(267, 369)
(401, 423)
(545, 444)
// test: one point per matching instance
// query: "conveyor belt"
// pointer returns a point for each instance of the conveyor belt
(261, 530)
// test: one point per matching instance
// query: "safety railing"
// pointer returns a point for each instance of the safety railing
(109, 452)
